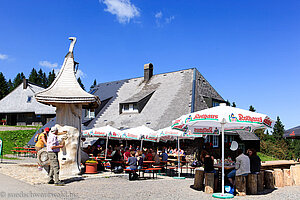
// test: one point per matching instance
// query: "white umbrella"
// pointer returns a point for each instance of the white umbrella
(212, 120)
(168, 133)
(139, 133)
(103, 132)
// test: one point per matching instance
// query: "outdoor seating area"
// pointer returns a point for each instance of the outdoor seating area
(25, 151)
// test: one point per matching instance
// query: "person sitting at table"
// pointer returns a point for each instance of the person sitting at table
(149, 156)
(255, 162)
(164, 155)
(132, 162)
(242, 167)
(140, 159)
(126, 154)
(156, 158)
(208, 161)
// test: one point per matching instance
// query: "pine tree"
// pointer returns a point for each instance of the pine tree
(18, 80)
(228, 103)
(80, 83)
(278, 129)
(40, 77)
(10, 86)
(3, 86)
(33, 77)
(94, 84)
(44, 80)
(251, 108)
(233, 104)
(51, 77)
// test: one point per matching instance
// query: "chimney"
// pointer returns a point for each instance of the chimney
(148, 71)
(25, 83)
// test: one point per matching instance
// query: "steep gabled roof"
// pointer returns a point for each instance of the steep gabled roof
(172, 96)
(17, 101)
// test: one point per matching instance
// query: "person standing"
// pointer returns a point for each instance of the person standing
(53, 148)
(41, 142)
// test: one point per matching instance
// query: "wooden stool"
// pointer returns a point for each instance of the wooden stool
(209, 183)
(269, 179)
(260, 181)
(198, 181)
(240, 185)
(252, 184)
(278, 176)
(287, 178)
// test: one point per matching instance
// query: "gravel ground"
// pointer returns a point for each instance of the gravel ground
(105, 186)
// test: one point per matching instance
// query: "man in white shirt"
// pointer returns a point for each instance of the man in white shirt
(242, 166)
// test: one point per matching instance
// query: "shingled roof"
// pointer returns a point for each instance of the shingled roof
(21, 100)
(173, 94)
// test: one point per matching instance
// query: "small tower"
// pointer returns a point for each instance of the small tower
(68, 97)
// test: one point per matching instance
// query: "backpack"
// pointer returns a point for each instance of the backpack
(36, 137)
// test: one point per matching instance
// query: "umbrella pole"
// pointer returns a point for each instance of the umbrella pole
(178, 158)
(106, 146)
(222, 126)
(141, 148)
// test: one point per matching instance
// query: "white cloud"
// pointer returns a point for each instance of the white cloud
(80, 74)
(123, 9)
(169, 19)
(48, 64)
(158, 15)
(3, 56)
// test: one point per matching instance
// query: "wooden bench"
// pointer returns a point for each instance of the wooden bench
(131, 173)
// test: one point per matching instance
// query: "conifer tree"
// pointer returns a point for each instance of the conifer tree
(233, 104)
(278, 129)
(94, 84)
(251, 108)
(40, 77)
(51, 77)
(10, 86)
(80, 83)
(3, 86)
(33, 77)
(18, 80)
(228, 103)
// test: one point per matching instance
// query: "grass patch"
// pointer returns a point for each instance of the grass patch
(10, 158)
(18, 138)
(265, 157)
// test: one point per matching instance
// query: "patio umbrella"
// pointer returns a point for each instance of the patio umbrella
(218, 119)
(103, 132)
(293, 133)
(139, 133)
(168, 133)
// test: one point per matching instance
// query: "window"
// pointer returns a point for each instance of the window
(130, 108)
(226, 138)
(90, 113)
(207, 139)
(230, 138)
(214, 103)
(29, 99)
(215, 141)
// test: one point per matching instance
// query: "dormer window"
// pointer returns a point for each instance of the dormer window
(90, 113)
(130, 108)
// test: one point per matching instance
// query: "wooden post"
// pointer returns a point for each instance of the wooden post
(278, 175)
(209, 183)
(269, 179)
(240, 185)
(260, 181)
(295, 172)
(252, 184)
(287, 178)
(199, 178)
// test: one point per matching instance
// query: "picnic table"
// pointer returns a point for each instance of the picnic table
(283, 164)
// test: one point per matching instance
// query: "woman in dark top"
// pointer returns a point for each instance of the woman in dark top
(255, 162)
(208, 161)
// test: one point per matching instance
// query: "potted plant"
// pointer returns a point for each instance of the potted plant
(91, 166)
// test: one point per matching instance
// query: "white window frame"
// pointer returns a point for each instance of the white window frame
(90, 113)
(131, 108)
(215, 141)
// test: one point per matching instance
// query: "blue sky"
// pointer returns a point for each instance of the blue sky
(247, 49)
